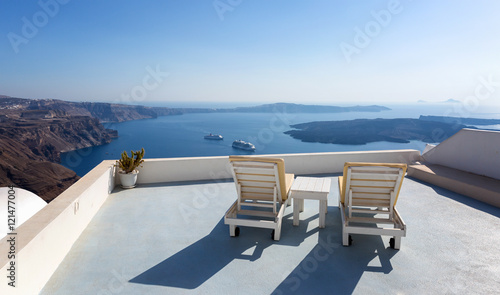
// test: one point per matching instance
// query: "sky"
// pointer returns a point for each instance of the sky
(262, 51)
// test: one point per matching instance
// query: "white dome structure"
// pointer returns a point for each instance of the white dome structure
(26, 204)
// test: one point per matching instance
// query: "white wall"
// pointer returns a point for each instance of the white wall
(183, 169)
(26, 205)
(476, 151)
(319, 163)
(44, 240)
(208, 168)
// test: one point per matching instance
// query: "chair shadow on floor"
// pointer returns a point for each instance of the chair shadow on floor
(330, 267)
(197, 263)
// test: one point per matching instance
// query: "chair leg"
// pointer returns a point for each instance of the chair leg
(345, 238)
(277, 233)
(296, 209)
(397, 243)
(232, 230)
(277, 230)
(322, 213)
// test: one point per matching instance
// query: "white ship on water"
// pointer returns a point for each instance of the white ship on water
(214, 137)
(243, 145)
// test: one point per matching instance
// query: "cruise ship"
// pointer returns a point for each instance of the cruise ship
(214, 137)
(243, 145)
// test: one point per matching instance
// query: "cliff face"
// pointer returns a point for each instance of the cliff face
(105, 112)
(49, 137)
(33, 133)
(161, 111)
(31, 143)
(23, 168)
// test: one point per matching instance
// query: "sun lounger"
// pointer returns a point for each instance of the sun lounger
(368, 196)
(262, 194)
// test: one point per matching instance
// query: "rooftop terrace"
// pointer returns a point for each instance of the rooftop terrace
(167, 235)
(171, 239)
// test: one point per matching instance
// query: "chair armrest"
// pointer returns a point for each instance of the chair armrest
(341, 189)
(289, 177)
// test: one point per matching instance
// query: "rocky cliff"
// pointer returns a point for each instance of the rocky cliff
(49, 137)
(33, 133)
(31, 142)
(23, 168)
(105, 112)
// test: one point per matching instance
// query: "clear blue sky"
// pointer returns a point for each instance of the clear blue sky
(329, 52)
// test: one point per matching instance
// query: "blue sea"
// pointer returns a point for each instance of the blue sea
(182, 135)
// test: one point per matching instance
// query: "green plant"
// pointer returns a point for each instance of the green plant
(129, 164)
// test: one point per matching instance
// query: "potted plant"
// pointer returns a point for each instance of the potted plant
(128, 167)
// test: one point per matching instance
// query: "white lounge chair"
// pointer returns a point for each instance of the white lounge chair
(262, 188)
(368, 196)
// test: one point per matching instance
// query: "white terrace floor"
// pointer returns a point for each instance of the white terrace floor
(169, 239)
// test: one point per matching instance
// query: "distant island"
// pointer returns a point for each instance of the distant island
(283, 108)
(451, 100)
(457, 120)
(363, 131)
(302, 108)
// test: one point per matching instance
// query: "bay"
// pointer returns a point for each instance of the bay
(182, 135)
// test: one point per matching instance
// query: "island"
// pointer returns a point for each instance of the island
(302, 108)
(363, 131)
(458, 120)
(282, 107)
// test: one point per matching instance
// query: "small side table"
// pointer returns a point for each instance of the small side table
(313, 189)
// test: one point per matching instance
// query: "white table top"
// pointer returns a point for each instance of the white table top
(311, 184)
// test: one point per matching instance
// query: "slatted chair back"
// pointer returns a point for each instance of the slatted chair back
(372, 185)
(257, 184)
(262, 187)
(284, 183)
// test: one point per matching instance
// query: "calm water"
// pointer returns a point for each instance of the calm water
(182, 136)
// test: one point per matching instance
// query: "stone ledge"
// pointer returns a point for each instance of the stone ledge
(482, 188)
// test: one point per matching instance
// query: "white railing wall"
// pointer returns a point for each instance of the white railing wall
(43, 241)
(208, 168)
